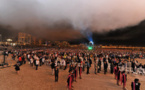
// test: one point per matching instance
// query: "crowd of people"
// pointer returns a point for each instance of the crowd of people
(119, 63)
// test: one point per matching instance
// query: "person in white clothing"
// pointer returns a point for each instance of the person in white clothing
(43, 60)
(37, 63)
(28, 57)
(63, 63)
(31, 62)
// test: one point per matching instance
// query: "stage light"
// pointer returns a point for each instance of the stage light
(92, 42)
(90, 47)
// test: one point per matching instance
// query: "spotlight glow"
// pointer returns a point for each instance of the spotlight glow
(90, 48)
(92, 42)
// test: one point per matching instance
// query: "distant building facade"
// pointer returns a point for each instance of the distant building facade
(27, 39)
(24, 39)
(34, 41)
(39, 42)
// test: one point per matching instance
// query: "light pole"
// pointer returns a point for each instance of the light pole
(4, 53)
(4, 59)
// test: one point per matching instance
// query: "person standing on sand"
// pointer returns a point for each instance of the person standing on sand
(105, 67)
(111, 67)
(99, 65)
(75, 74)
(124, 79)
(37, 63)
(17, 68)
(133, 66)
(135, 85)
(20, 60)
(88, 67)
(118, 75)
(95, 65)
(80, 70)
(56, 74)
(31, 61)
(69, 81)
(115, 71)
(52, 67)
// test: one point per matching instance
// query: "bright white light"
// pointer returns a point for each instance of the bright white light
(91, 42)
(14, 44)
(9, 40)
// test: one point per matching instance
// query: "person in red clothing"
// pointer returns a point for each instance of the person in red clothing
(72, 78)
(20, 60)
(69, 81)
(123, 80)
(118, 75)
(115, 71)
(75, 73)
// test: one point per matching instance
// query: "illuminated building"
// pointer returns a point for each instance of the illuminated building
(34, 41)
(24, 38)
(40, 42)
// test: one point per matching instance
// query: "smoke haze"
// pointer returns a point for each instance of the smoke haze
(41, 16)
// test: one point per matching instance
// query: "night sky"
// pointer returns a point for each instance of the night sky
(130, 36)
(116, 22)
